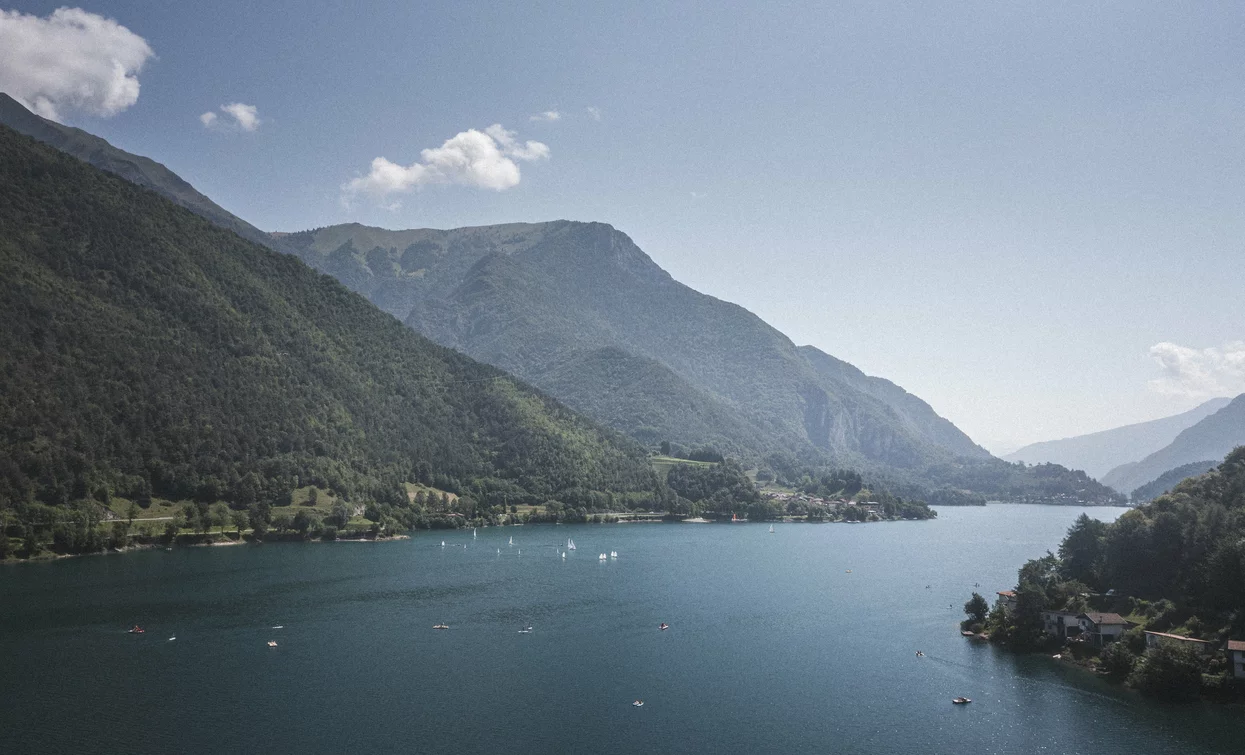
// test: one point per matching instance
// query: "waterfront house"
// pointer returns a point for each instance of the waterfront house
(1006, 599)
(1061, 624)
(1102, 628)
(1154, 639)
(1236, 658)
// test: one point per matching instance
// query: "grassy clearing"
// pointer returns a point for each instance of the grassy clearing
(412, 488)
(663, 464)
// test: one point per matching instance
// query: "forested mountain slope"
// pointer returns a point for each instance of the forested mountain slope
(147, 351)
(1165, 482)
(1210, 438)
(577, 308)
(1098, 453)
(133, 168)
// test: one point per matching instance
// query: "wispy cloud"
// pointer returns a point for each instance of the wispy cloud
(241, 117)
(71, 60)
(593, 112)
(548, 116)
(1200, 373)
(481, 159)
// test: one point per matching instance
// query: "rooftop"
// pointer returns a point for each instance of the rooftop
(1103, 618)
(1236, 644)
(1182, 638)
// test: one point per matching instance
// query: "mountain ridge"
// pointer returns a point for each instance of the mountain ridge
(1100, 452)
(1213, 437)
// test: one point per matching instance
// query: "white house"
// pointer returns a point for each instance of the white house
(1061, 624)
(1154, 639)
(1236, 658)
(1102, 628)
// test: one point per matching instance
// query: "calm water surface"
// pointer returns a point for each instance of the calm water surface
(773, 646)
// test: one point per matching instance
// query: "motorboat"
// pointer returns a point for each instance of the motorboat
(961, 700)
(137, 630)
(272, 643)
(663, 626)
(440, 626)
(638, 703)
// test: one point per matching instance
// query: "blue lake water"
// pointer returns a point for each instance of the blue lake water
(773, 646)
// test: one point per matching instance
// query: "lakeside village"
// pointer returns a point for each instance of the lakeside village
(1132, 648)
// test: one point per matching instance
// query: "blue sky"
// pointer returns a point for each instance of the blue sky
(1004, 209)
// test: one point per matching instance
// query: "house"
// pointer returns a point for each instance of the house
(1061, 624)
(1006, 599)
(1102, 628)
(1236, 658)
(1154, 639)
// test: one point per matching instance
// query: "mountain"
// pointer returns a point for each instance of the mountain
(582, 312)
(133, 168)
(1211, 438)
(579, 310)
(918, 416)
(1098, 453)
(145, 351)
(1165, 482)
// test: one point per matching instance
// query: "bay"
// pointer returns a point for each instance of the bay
(803, 640)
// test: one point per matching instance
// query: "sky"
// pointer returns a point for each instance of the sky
(1027, 214)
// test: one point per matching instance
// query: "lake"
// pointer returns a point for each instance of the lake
(800, 641)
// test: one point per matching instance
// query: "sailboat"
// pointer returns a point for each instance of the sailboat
(473, 533)
(511, 540)
(442, 543)
(613, 554)
(771, 529)
(563, 554)
(603, 557)
(570, 544)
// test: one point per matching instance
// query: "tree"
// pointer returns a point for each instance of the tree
(1027, 629)
(313, 497)
(131, 513)
(240, 520)
(977, 609)
(1081, 551)
(1170, 672)
(1118, 660)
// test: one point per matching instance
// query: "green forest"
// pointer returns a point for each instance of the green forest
(149, 355)
(1174, 565)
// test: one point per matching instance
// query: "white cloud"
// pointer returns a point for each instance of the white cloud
(245, 117)
(71, 60)
(594, 113)
(1202, 373)
(548, 116)
(483, 159)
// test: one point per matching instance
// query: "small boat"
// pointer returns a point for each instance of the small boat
(663, 626)
(638, 703)
(174, 637)
(613, 554)
(961, 700)
(440, 626)
(473, 533)
(771, 529)
(511, 540)
(272, 643)
(525, 630)
(279, 626)
(966, 633)
(137, 630)
(442, 543)
(849, 571)
(570, 544)
(563, 554)
(919, 654)
(603, 557)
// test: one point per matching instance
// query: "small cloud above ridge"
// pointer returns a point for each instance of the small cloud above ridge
(480, 159)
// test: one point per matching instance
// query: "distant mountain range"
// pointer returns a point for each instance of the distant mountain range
(1169, 479)
(148, 352)
(1211, 438)
(1098, 453)
(581, 312)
